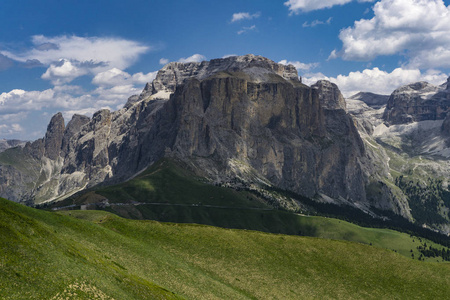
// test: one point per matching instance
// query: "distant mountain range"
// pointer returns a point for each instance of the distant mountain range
(6, 144)
(371, 99)
(246, 122)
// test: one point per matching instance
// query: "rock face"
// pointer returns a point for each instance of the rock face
(241, 117)
(54, 137)
(419, 101)
(331, 97)
(73, 127)
(175, 73)
(371, 99)
(446, 126)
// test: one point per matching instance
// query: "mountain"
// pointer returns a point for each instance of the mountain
(243, 122)
(411, 133)
(418, 101)
(371, 99)
(6, 144)
(240, 117)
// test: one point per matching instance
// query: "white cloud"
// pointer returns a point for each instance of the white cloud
(333, 55)
(377, 81)
(65, 98)
(63, 72)
(299, 65)
(317, 22)
(163, 61)
(68, 114)
(141, 78)
(69, 57)
(418, 29)
(246, 29)
(115, 76)
(16, 105)
(66, 58)
(14, 117)
(193, 58)
(244, 16)
(6, 129)
(112, 52)
(297, 6)
(19, 100)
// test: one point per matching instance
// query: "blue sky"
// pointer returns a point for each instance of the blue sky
(80, 56)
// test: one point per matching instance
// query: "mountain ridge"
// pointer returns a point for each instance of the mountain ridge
(242, 121)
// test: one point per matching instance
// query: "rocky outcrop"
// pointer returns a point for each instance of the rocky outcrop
(73, 127)
(176, 73)
(245, 118)
(274, 129)
(415, 102)
(329, 94)
(54, 137)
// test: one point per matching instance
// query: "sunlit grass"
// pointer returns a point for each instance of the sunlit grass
(96, 254)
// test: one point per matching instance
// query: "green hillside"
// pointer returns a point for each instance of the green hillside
(169, 193)
(97, 255)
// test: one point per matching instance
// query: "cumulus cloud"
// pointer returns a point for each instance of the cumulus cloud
(113, 52)
(244, 16)
(7, 130)
(17, 104)
(116, 76)
(20, 100)
(68, 57)
(376, 80)
(193, 58)
(297, 6)
(65, 98)
(418, 29)
(246, 29)
(63, 72)
(299, 65)
(163, 61)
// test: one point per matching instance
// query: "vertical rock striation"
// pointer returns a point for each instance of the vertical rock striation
(418, 101)
(245, 118)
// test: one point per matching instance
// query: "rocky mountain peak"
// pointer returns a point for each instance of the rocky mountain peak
(416, 102)
(371, 99)
(419, 86)
(101, 118)
(239, 119)
(54, 136)
(72, 128)
(329, 95)
(173, 74)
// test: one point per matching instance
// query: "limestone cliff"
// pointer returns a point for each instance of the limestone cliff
(245, 118)
(418, 101)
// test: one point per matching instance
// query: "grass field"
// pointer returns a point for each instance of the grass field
(170, 193)
(97, 255)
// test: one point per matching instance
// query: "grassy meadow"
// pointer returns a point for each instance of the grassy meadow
(97, 255)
